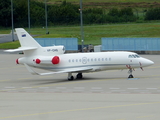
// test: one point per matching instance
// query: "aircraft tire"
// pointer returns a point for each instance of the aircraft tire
(71, 78)
(130, 76)
(79, 76)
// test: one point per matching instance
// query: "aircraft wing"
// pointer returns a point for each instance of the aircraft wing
(20, 49)
(72, 70)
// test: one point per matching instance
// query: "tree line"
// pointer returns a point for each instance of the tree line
(66, 14)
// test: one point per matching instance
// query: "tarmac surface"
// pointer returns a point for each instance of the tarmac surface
(106, 95)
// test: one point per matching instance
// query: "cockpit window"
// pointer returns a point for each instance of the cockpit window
(134, 56)
(137, 56)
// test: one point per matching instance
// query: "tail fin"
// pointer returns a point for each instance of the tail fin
(26, 40)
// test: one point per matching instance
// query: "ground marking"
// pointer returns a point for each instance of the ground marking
(81, 109)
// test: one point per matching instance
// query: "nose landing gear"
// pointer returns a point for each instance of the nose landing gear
(130, 72)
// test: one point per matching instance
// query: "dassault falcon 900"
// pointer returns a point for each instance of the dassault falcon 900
(52, 58)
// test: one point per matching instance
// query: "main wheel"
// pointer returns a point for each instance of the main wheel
(71, 78)
(79, 76)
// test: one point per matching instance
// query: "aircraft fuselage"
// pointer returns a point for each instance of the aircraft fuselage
(97, 61)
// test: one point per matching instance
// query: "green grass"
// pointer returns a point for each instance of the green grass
(5, 30)
(107, 4)
(94, 33)
(10, 45)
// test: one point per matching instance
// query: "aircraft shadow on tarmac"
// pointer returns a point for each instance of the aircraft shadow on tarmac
(46, 81)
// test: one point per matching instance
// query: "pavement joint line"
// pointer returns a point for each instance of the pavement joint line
(120, 119)
(4, 80)
(145, 116)
(43, 86)
(24, 78)
(55, 84)
(153, 67)
(11, 67)
(114, 88)
(26, 87)
(83, 109)
(132, 88)
(155, 75)
(9, 88)
(152, 88)
(88, 73)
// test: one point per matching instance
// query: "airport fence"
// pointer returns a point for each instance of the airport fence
(68, 43)
(130, 44)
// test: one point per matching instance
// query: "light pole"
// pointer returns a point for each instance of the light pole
(47, 32)
(29, 15)
(81, 21)
(12, 20)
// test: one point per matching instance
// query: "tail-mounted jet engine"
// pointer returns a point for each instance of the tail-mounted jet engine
(45, 60)
(54, 60)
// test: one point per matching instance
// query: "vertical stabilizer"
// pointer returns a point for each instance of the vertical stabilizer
(26, 40)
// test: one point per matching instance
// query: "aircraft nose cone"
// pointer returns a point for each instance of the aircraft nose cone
(148, 62)
(151, 62)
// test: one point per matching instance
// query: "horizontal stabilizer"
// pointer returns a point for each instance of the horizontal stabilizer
(20, 49)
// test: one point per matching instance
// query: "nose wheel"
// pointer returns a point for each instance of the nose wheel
(130, 72)
(130, 76)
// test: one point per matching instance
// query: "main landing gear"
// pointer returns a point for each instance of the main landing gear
(130, 72)
(79, 76)
(70, 76)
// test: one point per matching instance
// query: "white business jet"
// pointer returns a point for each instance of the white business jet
(53, 59)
